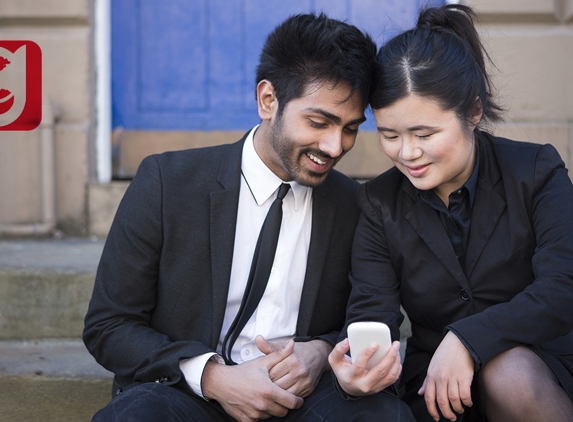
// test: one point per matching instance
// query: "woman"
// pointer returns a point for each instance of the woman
(470, 233)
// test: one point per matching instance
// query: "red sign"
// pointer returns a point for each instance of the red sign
(20, 85)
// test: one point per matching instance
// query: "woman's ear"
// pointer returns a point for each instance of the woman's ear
(475, 118)
(267, 102)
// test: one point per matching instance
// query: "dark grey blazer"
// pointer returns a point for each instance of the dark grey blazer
(161, 287)
(517, 288)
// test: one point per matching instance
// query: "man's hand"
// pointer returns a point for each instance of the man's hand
(299, 372)
(449, 379)
(355, 379)
(245, 391)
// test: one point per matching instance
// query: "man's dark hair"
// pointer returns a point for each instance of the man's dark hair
(307, 48)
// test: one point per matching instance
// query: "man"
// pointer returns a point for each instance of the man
(177, 261)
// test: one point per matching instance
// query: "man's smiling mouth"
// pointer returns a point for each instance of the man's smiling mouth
(315, 159)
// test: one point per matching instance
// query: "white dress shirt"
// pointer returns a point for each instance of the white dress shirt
(277, 313)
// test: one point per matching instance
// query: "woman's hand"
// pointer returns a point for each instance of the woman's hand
(449, 379)
(355, 379)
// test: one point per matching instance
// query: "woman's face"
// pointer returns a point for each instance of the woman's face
(426, 143)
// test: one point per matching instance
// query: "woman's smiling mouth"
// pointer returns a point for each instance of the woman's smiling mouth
(417, 171)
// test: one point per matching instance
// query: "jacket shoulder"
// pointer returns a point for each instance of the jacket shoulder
(197, 161)
(338, 180)
(340, 184)
(512, 153)
(341, 190)
(520, 161)
(385, 187)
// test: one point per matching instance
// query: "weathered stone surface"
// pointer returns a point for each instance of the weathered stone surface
(26, 399)
(46, 286)
(103, 200)
(51, 381)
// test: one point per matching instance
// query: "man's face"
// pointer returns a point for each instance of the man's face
(313, 133)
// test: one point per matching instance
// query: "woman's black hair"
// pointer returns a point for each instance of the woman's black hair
(441, 58)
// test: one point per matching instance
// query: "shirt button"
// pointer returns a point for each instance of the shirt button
(464, 295)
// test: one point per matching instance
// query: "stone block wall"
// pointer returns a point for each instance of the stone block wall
(531, 44)
(530, 41)
(63, 29)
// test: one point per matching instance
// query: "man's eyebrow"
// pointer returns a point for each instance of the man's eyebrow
(357, 121)
(337, 120)
(326, 114)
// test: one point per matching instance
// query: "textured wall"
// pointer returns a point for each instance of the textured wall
(63, 30)
(531, 43)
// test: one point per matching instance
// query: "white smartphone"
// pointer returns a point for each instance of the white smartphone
(362, 334)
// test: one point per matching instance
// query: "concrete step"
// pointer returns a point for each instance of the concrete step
(46, 373)
(46, 286)
(50, 381)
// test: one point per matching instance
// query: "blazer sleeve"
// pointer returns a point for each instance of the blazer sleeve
(375, 294)
(542, 312)
(118, 326)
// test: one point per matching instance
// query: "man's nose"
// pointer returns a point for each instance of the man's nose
(332, 144)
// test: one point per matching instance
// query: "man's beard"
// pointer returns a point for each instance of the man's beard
(290, 157)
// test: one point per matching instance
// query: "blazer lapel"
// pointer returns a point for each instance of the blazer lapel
(224, 203)
(430, 228)
(488, 207)
(323, 213)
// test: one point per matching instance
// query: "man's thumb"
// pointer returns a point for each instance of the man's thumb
(277, 354)
(264, 346)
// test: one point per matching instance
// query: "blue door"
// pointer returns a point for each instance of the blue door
(189, 65)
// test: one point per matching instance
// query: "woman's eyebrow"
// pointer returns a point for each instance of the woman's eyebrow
(421, 127)
(410, 129)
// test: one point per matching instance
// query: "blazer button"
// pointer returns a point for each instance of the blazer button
(464, 295)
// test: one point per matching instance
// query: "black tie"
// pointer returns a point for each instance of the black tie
(260, 271)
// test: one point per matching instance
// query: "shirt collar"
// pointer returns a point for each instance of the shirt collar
(261, 180)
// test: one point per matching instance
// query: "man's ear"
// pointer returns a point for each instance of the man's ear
(267, 103)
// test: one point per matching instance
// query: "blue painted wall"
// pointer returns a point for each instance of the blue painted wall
(190, 64)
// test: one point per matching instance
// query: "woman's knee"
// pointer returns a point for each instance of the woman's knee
(517, 375)
(518, 385)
